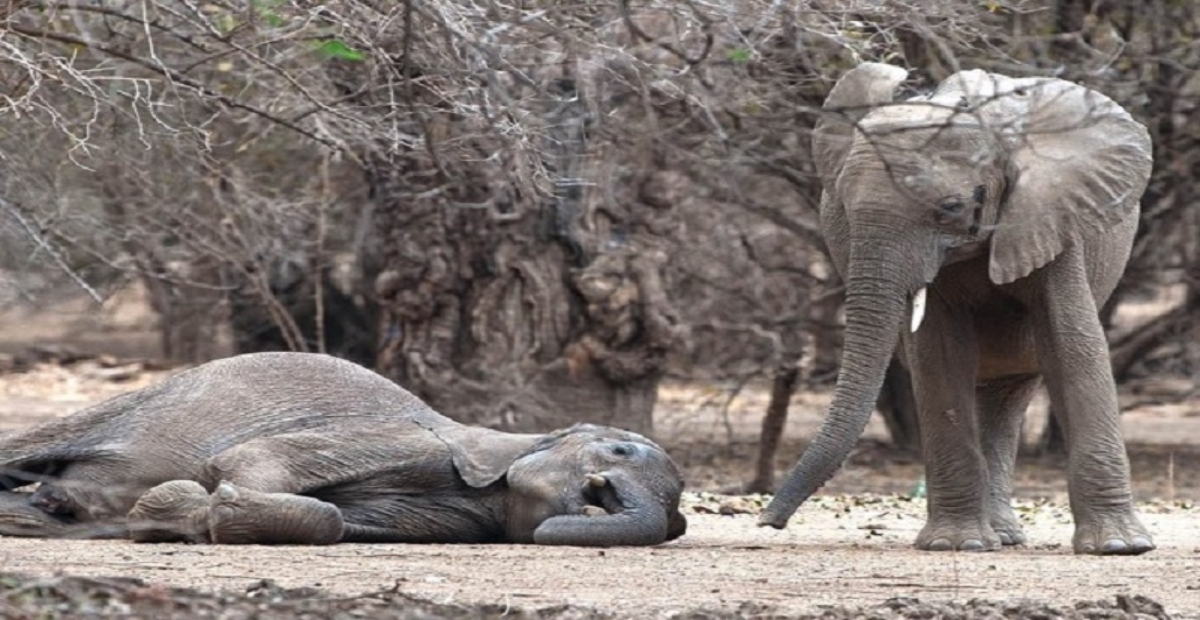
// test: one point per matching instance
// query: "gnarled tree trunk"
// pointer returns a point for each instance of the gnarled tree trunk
(515, 312)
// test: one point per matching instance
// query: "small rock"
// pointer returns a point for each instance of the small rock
(113, 373)
(736, 506)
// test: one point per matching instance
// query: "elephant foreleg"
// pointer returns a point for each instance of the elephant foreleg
(183, 511)
(942, 356)
(1001, 404)
(242, 516)
(255, 499)
(1073, 354)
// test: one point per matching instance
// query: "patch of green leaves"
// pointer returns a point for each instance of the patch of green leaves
(739, 55)
(339, 50)
(266, 10)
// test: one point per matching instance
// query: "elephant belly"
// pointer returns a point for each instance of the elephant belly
(1006, 350)
(418, 519)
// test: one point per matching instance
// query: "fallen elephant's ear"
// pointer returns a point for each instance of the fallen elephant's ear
(482, 455)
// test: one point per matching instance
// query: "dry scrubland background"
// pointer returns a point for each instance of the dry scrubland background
(535, 213)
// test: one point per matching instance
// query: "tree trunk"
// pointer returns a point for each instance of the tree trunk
(186, 296)
(339, 323)
(504, 310)
(488, 321)
(783, 386)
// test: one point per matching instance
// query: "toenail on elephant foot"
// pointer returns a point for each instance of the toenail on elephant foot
(939, 544)
(1010, 538)
(1126, 536)
(958, 537)
(945, 544)
(1135, 545)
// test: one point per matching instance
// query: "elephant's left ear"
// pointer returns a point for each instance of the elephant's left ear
(481, 455)
(1078, 166)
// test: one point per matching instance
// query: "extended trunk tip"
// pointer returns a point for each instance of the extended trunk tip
(773, 520)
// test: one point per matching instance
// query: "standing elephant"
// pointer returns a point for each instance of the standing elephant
(979, 229)
(302, 448)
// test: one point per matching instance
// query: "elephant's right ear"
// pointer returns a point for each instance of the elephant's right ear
(861, 89)
(482, 455)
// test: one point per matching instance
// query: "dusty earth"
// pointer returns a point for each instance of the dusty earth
(846, 553)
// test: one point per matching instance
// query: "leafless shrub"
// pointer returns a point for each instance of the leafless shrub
(528, 193)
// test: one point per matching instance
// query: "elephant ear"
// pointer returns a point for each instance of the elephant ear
(482, 455)
(1078, 164)
(861, 89)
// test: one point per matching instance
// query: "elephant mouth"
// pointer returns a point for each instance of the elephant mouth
(599, 496)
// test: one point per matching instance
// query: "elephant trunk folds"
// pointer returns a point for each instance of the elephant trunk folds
(878, 288)
(635, 515)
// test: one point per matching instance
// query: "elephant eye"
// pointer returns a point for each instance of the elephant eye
(980, 194)
(622, 449)
(951, 206)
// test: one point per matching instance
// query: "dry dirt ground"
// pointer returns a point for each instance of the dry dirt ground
(846, 553)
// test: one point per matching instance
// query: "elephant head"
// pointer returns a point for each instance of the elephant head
(586, 485)
(1008, 172)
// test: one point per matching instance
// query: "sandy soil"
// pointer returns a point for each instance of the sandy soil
(849, 547)
(839, 552)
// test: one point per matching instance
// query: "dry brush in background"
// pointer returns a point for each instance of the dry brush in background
(525, 212)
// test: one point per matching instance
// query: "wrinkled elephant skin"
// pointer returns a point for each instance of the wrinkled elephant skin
(979, 229)
(297, 448)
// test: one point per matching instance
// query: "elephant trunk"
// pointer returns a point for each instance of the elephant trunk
(878, 288)
(634, 516)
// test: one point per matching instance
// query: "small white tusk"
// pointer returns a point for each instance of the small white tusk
(918, 310)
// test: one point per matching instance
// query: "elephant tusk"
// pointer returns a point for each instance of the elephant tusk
(918, 310)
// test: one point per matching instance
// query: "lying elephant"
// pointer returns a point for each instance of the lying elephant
(297, 448)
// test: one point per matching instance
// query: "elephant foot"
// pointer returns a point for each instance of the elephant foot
(944, 535)
(242, 516)
(1112, 535)
(53, 500)
(175, 511)
(1007, 526)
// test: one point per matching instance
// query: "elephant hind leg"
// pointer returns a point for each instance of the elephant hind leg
(19, 517)
(1001, 404)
